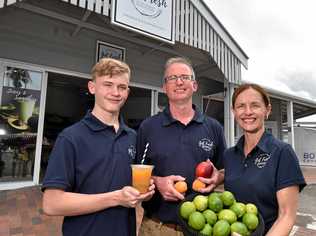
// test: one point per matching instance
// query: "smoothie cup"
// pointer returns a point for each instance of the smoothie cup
(141, 177)
(25, 108)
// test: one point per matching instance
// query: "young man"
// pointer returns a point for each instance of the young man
(89, 175)
(177, 139)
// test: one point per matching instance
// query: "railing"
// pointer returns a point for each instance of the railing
(98, 6)
(193, 29)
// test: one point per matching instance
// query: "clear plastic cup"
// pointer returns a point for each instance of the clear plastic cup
(141, 177)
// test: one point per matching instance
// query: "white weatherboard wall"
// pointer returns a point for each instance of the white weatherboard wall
(305, 145)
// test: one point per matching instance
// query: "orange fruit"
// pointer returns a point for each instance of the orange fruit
(197, 185)
(181, 186)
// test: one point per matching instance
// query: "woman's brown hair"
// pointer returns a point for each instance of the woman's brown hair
(256, 87)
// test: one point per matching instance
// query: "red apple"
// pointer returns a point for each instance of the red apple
(204, 169)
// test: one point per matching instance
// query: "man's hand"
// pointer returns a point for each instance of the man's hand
(211, 183)
(165, 186)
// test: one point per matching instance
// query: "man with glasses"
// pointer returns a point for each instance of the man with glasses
(176, 140)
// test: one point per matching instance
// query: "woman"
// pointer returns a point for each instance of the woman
(262, 169)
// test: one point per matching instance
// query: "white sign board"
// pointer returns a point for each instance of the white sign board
(154, 18)
(305, 145)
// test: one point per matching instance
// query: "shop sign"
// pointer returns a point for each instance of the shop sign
(305, 145)
(309, 157)
(154, 18)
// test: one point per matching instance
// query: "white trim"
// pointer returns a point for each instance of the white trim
(290, 124)
(229, 122)
(153, 102)
(15, 185)
(40, 130)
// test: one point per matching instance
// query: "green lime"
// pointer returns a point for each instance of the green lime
(250, 220)
(200, 202)
(207, 230)
(239, 228)
(239, 208)
(186, 209)
(227, 198)
(210, 216)
(227, 215)
(215, 203)
(221, 228)
(217, 194)
(251, 208)
(196, 221)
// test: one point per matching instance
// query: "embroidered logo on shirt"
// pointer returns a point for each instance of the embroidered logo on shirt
(262, 160)
(131, 151)
(206, 144)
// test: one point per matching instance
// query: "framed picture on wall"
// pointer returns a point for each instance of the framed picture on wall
(109, 50)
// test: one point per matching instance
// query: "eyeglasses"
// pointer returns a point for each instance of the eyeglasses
(174, 78)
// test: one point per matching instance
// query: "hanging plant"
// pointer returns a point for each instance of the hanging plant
(19, 77)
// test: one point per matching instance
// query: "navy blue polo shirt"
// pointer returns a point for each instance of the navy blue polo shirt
(90, 157)
(176, 149)
(271, 166)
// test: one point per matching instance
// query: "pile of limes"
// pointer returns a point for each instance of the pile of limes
(219, 214)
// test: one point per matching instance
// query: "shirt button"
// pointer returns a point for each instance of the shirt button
(246, 165)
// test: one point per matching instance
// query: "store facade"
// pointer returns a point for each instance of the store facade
(47, 51)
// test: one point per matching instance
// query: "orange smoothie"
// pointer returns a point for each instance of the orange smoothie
(141, 177)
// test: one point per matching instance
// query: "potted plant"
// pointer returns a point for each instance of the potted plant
(19, 77)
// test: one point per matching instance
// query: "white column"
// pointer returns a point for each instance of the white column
(154, 102)
(40, 135)
(228, 115)
(290, 125)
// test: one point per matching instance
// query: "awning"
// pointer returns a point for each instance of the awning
(195, 25)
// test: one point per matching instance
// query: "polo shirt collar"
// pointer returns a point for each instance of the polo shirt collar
(168, 119)
(96, 125)
(263, 143)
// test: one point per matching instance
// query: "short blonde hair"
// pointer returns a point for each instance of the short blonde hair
(110, 67)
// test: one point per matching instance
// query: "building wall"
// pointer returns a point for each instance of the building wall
(41, 40)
